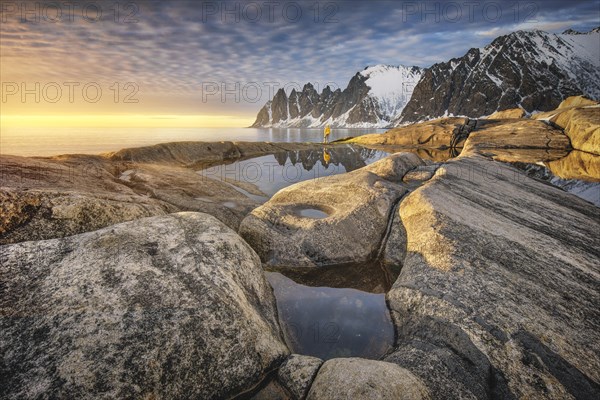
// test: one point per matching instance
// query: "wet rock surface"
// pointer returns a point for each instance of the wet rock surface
(358, 205)
(498, 293)
(174, 306)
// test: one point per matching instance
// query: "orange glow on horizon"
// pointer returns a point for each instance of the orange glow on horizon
(126, 121)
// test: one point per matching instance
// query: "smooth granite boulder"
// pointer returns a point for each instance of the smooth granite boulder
(38, 215)
(52, 197)
(163, 307)
(331, 220)
(576, 101)
(567, 104)
(500, 139)
(46, 198)
(499, 290)
(582, 125)
(511, 113)
(433, 134)
(358, 378)
(579, 117)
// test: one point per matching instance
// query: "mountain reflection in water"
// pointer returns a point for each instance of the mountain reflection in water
(578, 172)
(271, 173)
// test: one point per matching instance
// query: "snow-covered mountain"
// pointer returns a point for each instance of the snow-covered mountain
(534, 70)
(373, 98)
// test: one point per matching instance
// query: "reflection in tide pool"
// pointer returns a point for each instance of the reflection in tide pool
(269, 174)
(577, 173)
(312, 213)
(327, 322)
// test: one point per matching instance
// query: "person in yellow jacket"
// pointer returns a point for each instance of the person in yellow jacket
(326, 157)
(326, 134)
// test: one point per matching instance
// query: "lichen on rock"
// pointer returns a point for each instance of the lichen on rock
(173, 306)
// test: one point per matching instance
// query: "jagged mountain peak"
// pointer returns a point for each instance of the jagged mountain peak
(531, 69)
(308, 86)
(377, 69)
(373, 97)
(574, 32)
(383, 68)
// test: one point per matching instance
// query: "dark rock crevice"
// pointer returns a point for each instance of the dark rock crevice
(576, 382)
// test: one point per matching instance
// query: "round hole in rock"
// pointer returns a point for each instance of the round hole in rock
(312, 212)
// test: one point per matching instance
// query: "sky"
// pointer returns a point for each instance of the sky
(215, 63)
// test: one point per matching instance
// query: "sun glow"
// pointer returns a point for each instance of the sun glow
(125, 121)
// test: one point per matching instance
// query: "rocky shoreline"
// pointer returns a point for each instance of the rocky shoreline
(128, 275)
